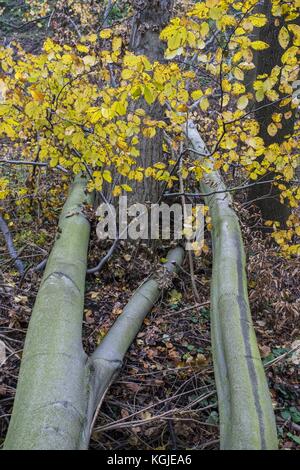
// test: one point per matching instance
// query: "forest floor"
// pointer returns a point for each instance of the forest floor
(164, 397)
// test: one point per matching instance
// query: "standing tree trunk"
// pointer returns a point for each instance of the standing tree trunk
(246, 414)
(266, 196)
(150, 18)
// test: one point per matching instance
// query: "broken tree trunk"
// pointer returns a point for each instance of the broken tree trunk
(50, 403)
(60, 389)
(246, 414)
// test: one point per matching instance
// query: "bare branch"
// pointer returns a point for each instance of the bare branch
(10, 246)
(25, 162)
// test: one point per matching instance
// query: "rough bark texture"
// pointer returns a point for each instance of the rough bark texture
(51, 397)
(246, 414)
(266, 196)
(150, 18)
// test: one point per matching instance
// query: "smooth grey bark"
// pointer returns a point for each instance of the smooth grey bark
(51, 396)
(60, 388)
(106, 362)
(245, 408)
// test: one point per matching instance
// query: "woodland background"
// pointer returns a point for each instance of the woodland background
(165, 396)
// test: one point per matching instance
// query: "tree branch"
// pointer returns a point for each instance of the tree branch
(10, 246)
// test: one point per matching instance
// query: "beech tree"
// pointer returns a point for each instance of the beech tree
(171, 108)
(144, 40)
(276, 122)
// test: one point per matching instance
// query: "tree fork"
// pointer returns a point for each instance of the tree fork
(246, 414)
(60, 388)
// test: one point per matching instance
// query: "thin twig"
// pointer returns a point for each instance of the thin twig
(10, 246)
(228, 190)
(32, 163)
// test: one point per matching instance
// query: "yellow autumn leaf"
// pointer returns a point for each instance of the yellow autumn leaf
(149, 132)
(226, 85)
(212, 3)
(169, 54)
(148, 95)
(258, 20)
(67, 59)
(105, 33)
(92, 38)
(48, 45)
(175, 41)
(242, 102)
(89, 60)
(259, 45)
(95, 116)
(3, 90)
(295, 28)
(116, 191)
(215, 13)
(131, 60)
(204, 104)
(196, 94)
(116, 43)
(160, 166)
(204, 29)
(238, 88)
(276, 117)
(82, 48)
(272, 129)
(238, 73)
(37, 95)
(259, 95)
(127, 73)
(126, 188)
(283, 37)
(7, 129)
(183, 96)
(107, 176)
(288, 173)
(290, 56)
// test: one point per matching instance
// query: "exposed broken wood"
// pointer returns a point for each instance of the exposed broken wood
(106, 361)
(60, 389)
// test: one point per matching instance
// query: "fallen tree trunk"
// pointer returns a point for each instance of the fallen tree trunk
(246, 413)
(60, 388)
(107, 359)
(50, 402)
